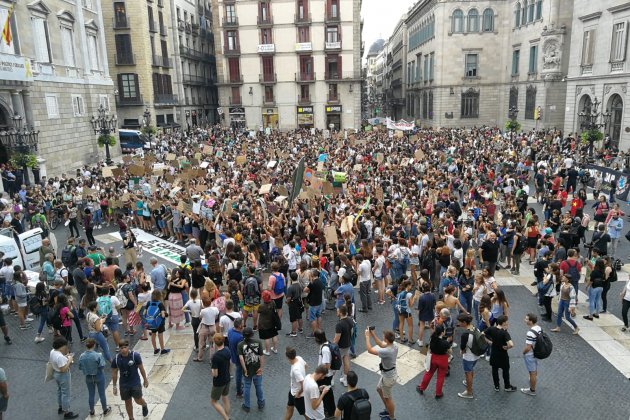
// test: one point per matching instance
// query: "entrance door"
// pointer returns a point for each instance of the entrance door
(4, 125)
(615, 107)
(334, 119)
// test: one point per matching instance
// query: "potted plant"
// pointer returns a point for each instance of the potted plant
(22, 160)
(513, 125)
(106, 139)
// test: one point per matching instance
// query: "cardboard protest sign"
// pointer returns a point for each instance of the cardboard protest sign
(127, 159)
(346, 224)
(265, 189)
(418, 155)
(330, 233)
(136, 170)
(174, 191)
(194, 162)
(89, 192)
(327, 188)
(271, 164)
(357, 167)
(171, 156)
(169, 178)
(107, 171)
(198, 156)
(380, 157)
(379, 194)
(201, 188)
(204, 165)
(282, 190)
(240, 160)
(340, 177)
(207, 149)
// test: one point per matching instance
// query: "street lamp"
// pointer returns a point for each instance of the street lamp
(513, 113)
(22, 139)
(146, 122)
(104, 125)
(591, 121)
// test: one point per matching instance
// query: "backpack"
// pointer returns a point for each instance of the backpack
(69, 256)
(121, 295)
(35, 305)
(544, 288)
(479, 343)
(152, 316)
(573, 272)
(361, 407)
(54, 319)
(335, 356)
(278, 287)
(543, 346)
(617, 264)
(401, 303)
(613, 274)
(323, 277)
(104, 305)
(252, 292)
(350, 276)
(363, 230)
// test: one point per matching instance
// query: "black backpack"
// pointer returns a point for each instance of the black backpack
(69, 256)
(335, 356)
(543, 346)
(361, 407)
(35, 305)
(54, 319)
(350, 276)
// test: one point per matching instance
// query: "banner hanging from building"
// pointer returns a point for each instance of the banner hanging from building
(15, 67)
(608, 178)
(401, 125)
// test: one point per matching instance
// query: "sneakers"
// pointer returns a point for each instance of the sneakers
(107, 411)
(528, 391)
(245, 409)
(624, 329)
(343, 381)
(510, 388)
(25, 327)
(7, 339)
(419, 343)
(497, 389)
(70, 415)
(576, 331)
(291, 334)
(39, 339)
(487, 358)
(156, 351)
(165, 351)
(310, 336)
(466, 395)
(145, 410)
(557, 329)
(266, 353)
(274, 350)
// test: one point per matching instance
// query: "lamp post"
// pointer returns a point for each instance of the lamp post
(512, 113)
(146, 122)
(22, 139)
(104, 125)
(591, 121)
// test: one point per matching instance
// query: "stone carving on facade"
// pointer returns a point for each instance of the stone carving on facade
(551, 54)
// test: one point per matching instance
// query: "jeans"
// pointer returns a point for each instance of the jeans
(185, 299)
(625, 306)
(563, 309)
(364, 294)
(63, 389)
(93, 383)
(247, 386)
(238, 376)
(102, 342)
(98, 217)
(43, 318)
(476, 311)
(465, 298)
(77, 322)
(594, 296)
(396, 322)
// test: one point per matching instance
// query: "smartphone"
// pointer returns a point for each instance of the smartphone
(371, 327)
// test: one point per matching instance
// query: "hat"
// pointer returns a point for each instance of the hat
(248, 332)
(266, 296)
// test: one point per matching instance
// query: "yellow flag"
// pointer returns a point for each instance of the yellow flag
(7, 37)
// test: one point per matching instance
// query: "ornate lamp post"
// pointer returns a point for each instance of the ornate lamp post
(104, 125)
(513, 125)
(591, 121)
(146, 122)
(23, 140)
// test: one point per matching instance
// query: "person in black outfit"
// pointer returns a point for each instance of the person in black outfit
(439, 346)
(500, 340)
(345, 404)
(490, 253)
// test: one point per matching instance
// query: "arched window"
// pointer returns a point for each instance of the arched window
(615, 107)
(473, 20)
(530, 102)
(513, 97)
(530, 12)
(488, 20)
(517, 15)
(458, 21)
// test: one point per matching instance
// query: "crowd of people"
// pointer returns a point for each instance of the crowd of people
(420, 222)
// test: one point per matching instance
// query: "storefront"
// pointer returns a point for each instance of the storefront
(270, 118)
(237, 116)
(305, 117)
(333, 116)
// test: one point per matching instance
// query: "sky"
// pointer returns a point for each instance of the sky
(380, 18)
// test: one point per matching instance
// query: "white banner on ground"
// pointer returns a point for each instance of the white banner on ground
(156, 246)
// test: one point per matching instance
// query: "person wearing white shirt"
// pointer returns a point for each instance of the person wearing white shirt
(61, 361)
(365, 277)
(312, 396)
(227, 321)
(289, 254)
(297, 376)
(207, 329)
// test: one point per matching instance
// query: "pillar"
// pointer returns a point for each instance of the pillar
(554, 16)
(28, 108)
(16, 103)
(80, 24)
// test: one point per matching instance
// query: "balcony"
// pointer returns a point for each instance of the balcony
(152, 26)
(305, 77)
(235, 100)
(231, 79)
(304, 19)
(230, 22)
(161, 61)
(304, 47)
(165, 99)
(586, 70)
(266, 48)
(122, 102)
(188, 27)
(332, 46)
(120, 22)
(125, 59)
(264, 21)
(304, 100)
(190, 53)
(195, 29)
(268, 79)
(333, 98)
(181, 25)
(235, 50)
(332, 76)
(617, 67)
(162, 29)
(332, 19)
(191, 79)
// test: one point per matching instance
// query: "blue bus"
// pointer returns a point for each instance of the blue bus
(130, 140)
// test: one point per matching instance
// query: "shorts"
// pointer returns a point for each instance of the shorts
(250, 308)
(112, 323)
(378, 278)
(219, 391)
(344, 352)
(279, 302)
(178, 229)
(314, 312)
(295, 312)
(3, 323)
(469, 366)
(298, 403)
(146, 218)
(161, 224)
(159, 329)
(385, 385)
(531, 363)
(129, 393)
(405, 314)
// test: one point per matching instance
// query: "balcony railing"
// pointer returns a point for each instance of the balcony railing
(235, 50)
(305, 77)
(234, 79)
(235, 100)
(161, 61)
(230, 22)
(120, 22)
(332, 75)
(264, 20)
(165, 99)
(181, 25)
(332, 45)
(266, 48)
(587, 69)
(304, 47)
(267, 78)
(189, 52)
(332, 19)
(617, 66)
(122, 101)
(304, 100)
(191, 79)
(152, 26)
(125, 59)
(304, 19)
(333, 98)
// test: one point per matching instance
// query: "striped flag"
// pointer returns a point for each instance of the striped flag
(7, 37)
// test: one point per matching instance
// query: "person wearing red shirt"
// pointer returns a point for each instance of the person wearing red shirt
(572, 261)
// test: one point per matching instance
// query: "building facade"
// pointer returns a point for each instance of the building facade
(139, 49)
(397, 59)
(55, 75)
(599, 69)
(289, 64)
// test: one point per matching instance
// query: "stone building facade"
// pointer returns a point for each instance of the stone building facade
(289, 64)
(55, 75)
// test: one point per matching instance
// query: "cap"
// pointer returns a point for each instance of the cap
(248, 332)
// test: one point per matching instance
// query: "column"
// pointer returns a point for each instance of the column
(101, 38)
(16, 103)
(82, 38)
(555, 13)
(28, 109)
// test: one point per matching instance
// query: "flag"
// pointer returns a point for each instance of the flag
(6, 30)
(298, 179)
(365, 206)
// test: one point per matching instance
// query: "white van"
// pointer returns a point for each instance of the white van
(26, 253)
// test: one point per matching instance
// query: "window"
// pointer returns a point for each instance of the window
(161, 22)
(470, 104)
(472, 63)
(524, 13)
(332, 92)
(431, 66)
(265, 36)
(268, 94)
(232, 42)
(513, 103)
(516, 58)
(304, 34)
(332, 34)
(538, 9)
(304, 92)
(151, 21)
(457, 21)
(588, 41)
(267, 66)
(128, 85)
(425, 105)
(51, 106)
(530, 102)
(306, 66)
(42, 41)
(234, 67)
(533, 59)
(418, 70)
(473, 20)
(87, 4)
(264, 11)
(230, 13)
(530, 11)
(302, 8)
(333, 64)
(430, 105)
(618, 47)
(334, 8)
(120, 15)
(104, 100)
(426, 68)
(93, 52)
(517, 15)
(77, 105)
(67, 41)
(124, 53)
(164, 48)
(236, 95)
(488, 20)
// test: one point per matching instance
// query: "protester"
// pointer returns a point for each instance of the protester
(439, 345)
(92, 365)
(296, 391)
(388, 352)
(129, 364)
(500, 340)
(61, 360)
(252, 362)
(353, 403)
(531, 363)
(220, 378)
